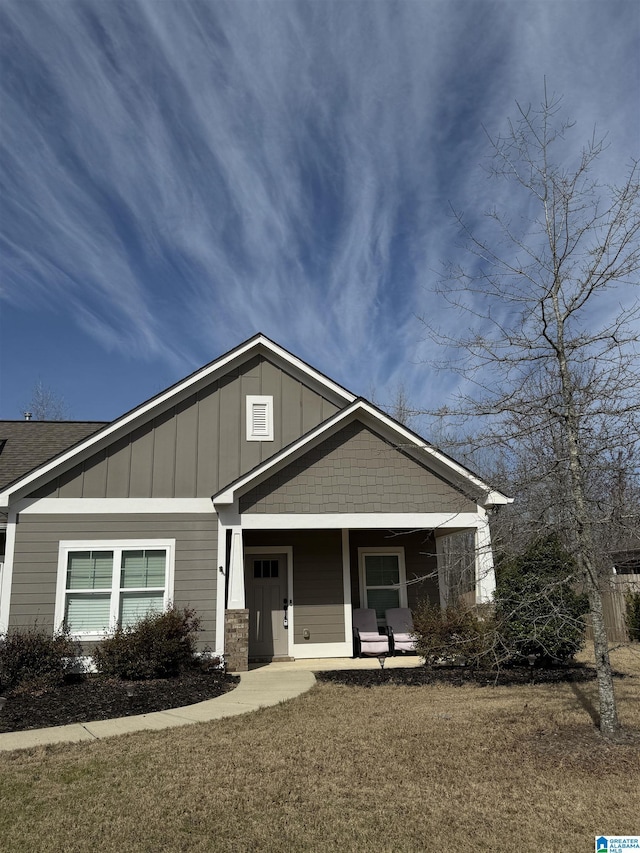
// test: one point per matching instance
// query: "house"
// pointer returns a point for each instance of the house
(257, 491)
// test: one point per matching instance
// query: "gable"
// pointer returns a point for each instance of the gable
(198, 444)
(355, 470)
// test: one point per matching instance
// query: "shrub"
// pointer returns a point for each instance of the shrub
(31, 656)
(632, 603)
(538, 611)
(158, 646)
(458, 634)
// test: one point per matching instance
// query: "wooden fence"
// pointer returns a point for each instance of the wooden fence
(613, 605)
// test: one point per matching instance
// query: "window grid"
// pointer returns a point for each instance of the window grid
(382, 579)
(121, 604)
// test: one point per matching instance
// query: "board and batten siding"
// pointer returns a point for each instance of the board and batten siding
(197, 446)
(35, 565)
(355, 470)
(318, 590)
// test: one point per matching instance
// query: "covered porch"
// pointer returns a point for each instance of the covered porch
(287, 592)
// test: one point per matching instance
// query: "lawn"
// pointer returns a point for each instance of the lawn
(344, 768)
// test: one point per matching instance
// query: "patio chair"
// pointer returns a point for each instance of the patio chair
(400, 628)
(367, 640)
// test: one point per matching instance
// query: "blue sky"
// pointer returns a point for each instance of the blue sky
(176, 176)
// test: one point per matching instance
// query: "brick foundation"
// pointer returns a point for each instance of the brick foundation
(236, 640)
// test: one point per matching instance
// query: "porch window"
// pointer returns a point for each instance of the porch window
(382, 579)
(104, 585)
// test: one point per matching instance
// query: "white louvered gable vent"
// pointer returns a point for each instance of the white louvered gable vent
(259, 418)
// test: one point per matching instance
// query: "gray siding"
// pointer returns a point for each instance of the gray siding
(197, 446)
(318, 594)
(355, 471)
(36, 560)
(419, 557)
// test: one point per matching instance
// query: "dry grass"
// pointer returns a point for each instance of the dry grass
(340, 768)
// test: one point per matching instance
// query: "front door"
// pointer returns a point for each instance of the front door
(266, 591)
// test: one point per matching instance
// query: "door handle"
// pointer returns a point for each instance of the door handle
(285, 618)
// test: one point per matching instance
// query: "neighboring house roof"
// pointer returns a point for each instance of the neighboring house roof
(25, 445)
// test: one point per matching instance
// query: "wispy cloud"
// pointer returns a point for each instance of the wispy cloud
(178, 175)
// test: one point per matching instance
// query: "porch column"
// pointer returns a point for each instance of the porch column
(485, 572)
(236, 618)
(236, 571)
(346, 581)
(443, 577)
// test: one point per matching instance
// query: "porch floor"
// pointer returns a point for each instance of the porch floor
(322, 664)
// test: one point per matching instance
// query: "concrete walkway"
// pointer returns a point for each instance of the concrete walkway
(258, 688)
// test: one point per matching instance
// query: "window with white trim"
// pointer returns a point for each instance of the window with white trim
(259, 418)
(104, 584)
(383, 582)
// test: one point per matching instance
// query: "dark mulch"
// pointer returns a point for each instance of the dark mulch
(457, 676)
(96, 698)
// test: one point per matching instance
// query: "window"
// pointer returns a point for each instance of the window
(259, 418)
(101, 585)
(265, 568)
(382, 579)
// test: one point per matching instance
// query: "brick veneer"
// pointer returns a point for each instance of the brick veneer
(236, 640)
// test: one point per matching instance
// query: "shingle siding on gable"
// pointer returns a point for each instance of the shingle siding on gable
(354, 471)
(198, 446)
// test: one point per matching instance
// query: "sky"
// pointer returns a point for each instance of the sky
(177, 175)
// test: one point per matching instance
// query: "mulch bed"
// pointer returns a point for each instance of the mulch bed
(457, 676)
(96, 698)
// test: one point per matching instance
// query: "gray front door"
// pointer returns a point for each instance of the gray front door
(266, 591)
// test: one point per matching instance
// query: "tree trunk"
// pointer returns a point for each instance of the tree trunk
(581, 523)
(609, 724)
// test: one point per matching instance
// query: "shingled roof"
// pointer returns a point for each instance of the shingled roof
(24, 445)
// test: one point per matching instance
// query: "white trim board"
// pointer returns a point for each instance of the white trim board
(7, 572)
(100, 506)
(221, 585)
(361, 520)
(302, 651)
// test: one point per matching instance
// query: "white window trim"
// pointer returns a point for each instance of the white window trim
(261, 400)
(375, 552)
(117, 546)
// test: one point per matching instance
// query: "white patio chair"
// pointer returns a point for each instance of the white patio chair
(367, 639)
(400, 628)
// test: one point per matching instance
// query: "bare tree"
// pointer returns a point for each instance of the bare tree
(398, 406)
(46, 404)
(550, 354)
